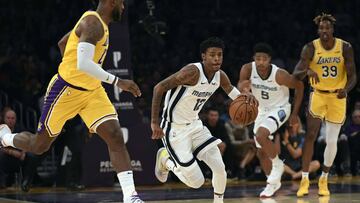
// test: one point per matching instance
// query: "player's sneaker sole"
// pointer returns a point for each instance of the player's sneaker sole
(276, 188)
(158, 172)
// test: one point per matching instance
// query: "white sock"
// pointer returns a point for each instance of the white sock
(170, 165)
(127, 183)
(8, 140)
(325, 175)
(275, 160)
(218, 197)
(305, 175)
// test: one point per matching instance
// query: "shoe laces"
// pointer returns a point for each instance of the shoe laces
(136, 199)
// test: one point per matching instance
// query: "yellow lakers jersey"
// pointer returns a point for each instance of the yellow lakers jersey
(329, 66)
(68, 67)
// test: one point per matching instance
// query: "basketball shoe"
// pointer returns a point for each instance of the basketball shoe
(4, 129)
(270, 190)
(161, 172)
(323, 187)
(133, 199)
(304, 187)
(276, 172)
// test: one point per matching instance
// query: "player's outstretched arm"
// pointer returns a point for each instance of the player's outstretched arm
(284, 78)
(302, 67)
(350, 70)
(232, 91)
(244, 84)
(62, 43)
(90, 31)
(188, 75)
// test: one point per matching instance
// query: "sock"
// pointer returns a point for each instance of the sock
(218, 196)
(127, 183)
(170, 165)
(8, 140)
(325, 175)
(305, 175)
(275, 160)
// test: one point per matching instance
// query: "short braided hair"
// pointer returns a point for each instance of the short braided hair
(323, 17)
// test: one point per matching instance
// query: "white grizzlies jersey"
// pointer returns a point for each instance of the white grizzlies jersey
(268, 92)
(183, 103)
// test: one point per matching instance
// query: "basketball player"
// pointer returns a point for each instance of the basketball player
(186, 138)
(329, 64)
(270, 86)
(77, 89)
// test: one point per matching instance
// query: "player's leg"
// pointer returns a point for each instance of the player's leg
(317, 109)
(313, 126)
(100, 116)
(264, 161)
(110, 132)
(212, 157)
(271, 122)
(190, 175)
(332, 134)
(178, 156)
(314, 166)
(26, 141)
(59, 106)
(270, 149)
(334, 120)
(206, 149)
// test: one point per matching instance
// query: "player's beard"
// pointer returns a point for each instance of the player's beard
(116, 15)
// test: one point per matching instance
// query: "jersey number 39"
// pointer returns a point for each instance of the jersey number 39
(329, 71)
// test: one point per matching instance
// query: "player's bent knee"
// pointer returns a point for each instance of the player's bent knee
(194, 178)
(115, 136)
(197, 182)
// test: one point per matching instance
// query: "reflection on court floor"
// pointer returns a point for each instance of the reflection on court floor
(343, 190)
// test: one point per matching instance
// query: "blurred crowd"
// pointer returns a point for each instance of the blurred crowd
(29, 57)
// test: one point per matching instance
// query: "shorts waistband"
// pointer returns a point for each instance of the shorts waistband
(70, 85)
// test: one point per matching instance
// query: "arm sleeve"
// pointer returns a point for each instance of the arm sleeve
(85, 63)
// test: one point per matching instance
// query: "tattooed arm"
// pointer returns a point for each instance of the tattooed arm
(350, 70)
(188, 75)
(302, 67)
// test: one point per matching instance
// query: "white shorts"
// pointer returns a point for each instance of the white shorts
(272, 120)
(187, 141)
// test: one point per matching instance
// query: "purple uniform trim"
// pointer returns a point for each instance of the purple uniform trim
(55, 90)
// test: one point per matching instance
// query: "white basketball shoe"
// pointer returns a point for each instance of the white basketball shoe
(161, 172)
(4, 129)
(270, 190)
(133, 199)
(276, 172)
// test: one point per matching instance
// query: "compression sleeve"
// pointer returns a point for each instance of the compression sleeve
(85, 63)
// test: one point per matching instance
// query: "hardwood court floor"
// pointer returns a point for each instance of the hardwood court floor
(344, 190)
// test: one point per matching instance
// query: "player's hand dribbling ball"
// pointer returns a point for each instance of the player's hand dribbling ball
(242, 113)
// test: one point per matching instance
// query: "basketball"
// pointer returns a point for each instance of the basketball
(241, 112)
